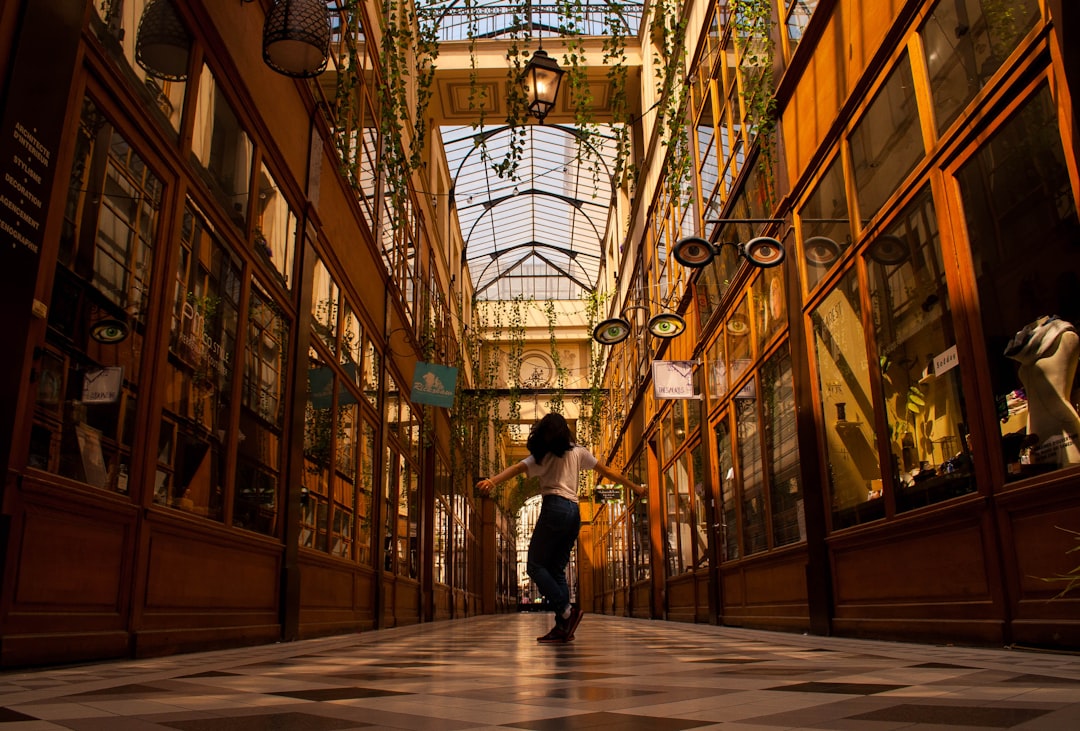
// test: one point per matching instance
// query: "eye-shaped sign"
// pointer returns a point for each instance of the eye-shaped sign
(109, 331)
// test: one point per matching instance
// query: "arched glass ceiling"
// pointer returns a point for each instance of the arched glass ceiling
(541, 233)
(456, 19)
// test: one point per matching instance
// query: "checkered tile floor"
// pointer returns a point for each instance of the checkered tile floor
(619, 674)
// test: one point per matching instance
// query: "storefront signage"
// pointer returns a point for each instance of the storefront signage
(946, 361)
(41, 69)
(434, 384)
(673, 379)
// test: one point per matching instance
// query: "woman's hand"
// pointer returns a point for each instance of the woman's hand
(485, 486)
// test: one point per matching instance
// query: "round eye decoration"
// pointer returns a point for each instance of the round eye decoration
(611, 331)
(693, 251)
(109, 331)
(764, 252)
(888, 250)
(666, 325)
(821, 251)
(738, 325)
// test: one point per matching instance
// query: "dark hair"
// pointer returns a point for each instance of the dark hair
(550, 435)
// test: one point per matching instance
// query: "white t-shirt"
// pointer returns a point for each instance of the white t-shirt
(559, 475)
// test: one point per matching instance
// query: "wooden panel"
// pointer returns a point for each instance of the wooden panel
(70, 561)
(680, 599)
(905, 569)
(327, 586)
(188, 571)
(407, 602)
(1037, 549)
(767, 591)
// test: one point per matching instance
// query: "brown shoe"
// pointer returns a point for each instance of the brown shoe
(557, 635)
(573, 621)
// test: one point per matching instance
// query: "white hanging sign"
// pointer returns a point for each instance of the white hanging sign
(673, 379)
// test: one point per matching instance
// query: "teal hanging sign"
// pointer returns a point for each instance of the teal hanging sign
(434, 384)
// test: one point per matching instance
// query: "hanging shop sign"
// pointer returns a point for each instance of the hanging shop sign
(434, 384)
(674, 379)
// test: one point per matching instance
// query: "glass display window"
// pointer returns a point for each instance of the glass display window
(824, 225)
(1023, 229)
(91, 368)
(887, 143)
(843, 380)
(751, 473)
(768, 296)
(275, 228)
(716, 369)
(116, 25)
(262, 416)
(729, 506)
(782, 449)
(222, 149)
(196, 416)
(325, 306)
(740, 345)
(640, 545)
(917, 354)
(965, 42)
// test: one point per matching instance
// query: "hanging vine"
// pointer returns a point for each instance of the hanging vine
(669, 27)
(615, 60)
(555, 404)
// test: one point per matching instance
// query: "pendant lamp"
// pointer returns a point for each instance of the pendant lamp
(296, 38)
(162, 43)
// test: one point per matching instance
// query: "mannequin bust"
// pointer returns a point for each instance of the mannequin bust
(1047, 351)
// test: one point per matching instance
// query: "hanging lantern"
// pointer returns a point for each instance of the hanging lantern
(163, 44)
(542, 79)
(296, 37)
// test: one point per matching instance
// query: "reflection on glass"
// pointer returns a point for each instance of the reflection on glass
(887, 143)
(916, 344)
(854, 470)
(1022, 223)
(198, 388)
(716, 364)
(769, 304)
(729, 525)
(826, 230)
(221, 146)
(701, 517)
(117, 32)
(752, 475)
(739, 344)
(965, 42)
(275, 228)
(319, 431)
(782, 449)
(262, 415)
(324, 306)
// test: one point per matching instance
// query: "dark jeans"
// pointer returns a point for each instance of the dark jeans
(552, 541)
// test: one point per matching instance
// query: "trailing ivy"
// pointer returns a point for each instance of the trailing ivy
(752, 30)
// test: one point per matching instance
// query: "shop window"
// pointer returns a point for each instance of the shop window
(716, 364)
(641, 569)
(751, 473)
(391, 490)
(346, 476)
(1023, 230)
(274, 234)
(408, 556)
(222, 148)
(699, 505)
(826, 230)
(364, 498)
(916, 342)
(768, 297)
(782, 449)
(324, 307)
(440, 572)
(371, 371)
(352, 344)
(676, 490)
(319, 434)
(740, 346)
(887, 142)
(843, 374)
(729, 510)
(90, 371)
(195, 424)
(116, 26)
(262, 417)
(965, 42)
(798, 17)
